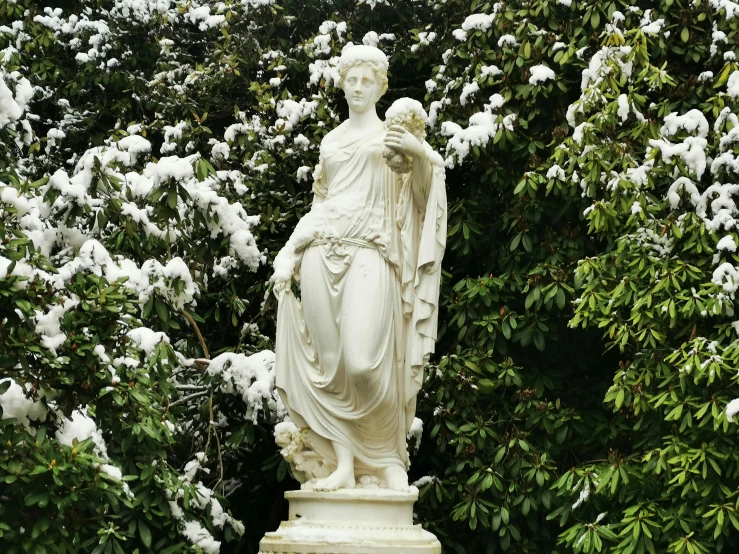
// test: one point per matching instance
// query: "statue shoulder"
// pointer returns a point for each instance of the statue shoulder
(334, 135)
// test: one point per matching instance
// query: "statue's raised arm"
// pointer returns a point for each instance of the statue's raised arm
(350, 353)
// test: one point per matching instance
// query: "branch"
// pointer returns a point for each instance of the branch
(194, 324)
(205, 362)
(191, 387)
(188, 397)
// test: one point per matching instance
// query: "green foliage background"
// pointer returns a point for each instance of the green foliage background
(585, 345)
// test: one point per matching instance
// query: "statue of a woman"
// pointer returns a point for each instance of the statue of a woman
(350, 354)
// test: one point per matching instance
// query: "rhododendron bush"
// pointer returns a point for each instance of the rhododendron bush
(155, 156)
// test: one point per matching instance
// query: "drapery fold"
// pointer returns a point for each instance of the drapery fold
(350, 354)
(424, 242)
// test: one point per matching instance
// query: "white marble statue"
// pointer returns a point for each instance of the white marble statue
(367, 257)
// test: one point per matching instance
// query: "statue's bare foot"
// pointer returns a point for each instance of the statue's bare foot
(339, 479)
(396, 478)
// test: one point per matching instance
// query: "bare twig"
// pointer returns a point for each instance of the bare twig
(211, 415)
(197, 365)
(187, 398)
(191, 387)
(218, 444)
(194, 324)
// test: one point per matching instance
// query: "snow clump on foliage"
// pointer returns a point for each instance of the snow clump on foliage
(252, 378)
(79, 427)
(15, 404)
(540, 74)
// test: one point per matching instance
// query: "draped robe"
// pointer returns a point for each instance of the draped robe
(350, 353)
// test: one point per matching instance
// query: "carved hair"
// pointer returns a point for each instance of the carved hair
(400, 114)
(411, 121)
(379, 71)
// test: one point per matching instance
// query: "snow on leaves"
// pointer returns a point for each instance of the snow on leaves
(250, 377)
(669, 197)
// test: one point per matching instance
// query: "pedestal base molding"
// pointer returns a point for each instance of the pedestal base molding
(355, 521)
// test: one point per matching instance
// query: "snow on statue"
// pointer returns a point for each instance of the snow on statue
(350, 354)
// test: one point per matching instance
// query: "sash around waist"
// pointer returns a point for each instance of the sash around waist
(335, 246)
(334, 242)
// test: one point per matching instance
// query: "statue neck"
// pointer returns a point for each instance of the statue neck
(363, 121)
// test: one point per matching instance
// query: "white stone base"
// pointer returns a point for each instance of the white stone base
(350, 521)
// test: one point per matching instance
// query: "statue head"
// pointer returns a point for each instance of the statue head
(410, 115)
(362, 76)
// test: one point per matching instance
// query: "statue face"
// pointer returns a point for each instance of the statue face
(362, 88)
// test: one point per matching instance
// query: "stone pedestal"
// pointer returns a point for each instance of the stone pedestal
(350, 521)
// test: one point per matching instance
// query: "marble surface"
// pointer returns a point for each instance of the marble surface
(351, 347)
(350, 521)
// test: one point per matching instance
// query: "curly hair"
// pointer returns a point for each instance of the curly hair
(379, 71)
(409, 120)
